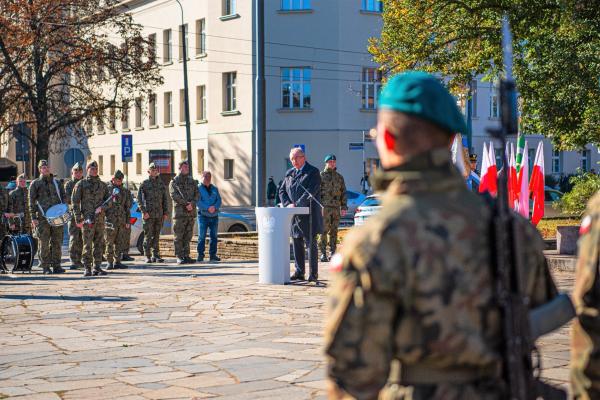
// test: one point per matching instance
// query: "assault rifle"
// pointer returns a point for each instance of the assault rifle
(520, 328)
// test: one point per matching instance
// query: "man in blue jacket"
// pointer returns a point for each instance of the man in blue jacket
(208, 216)
(299, 180)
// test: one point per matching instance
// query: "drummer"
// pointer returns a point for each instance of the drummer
(18, 212)
(44, 193)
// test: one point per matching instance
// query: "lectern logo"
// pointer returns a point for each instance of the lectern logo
(268, 224)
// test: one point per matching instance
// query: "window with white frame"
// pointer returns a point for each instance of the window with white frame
(295, 5)
(168, 108)
(201, 103)
(296, 87)
(183, 40)
(152, 47)
(138, 112)
(229, 90)
(200, 36)
(228, 7)
(125, 116)
(494, 104)
(585, 160)
(557, 162)
(372, 5)
(371, 86)
(152, 109)
(112, 120)
(167, 45)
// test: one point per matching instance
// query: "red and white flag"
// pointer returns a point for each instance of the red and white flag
(489, 178)
(513, 188)
(524, 184)
(536, 185)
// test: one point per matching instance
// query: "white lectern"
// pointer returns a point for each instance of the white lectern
(274, 225)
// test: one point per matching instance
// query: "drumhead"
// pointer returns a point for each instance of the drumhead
(17, 252)
(57, 210)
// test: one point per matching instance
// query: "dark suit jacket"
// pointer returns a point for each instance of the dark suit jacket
(291, 192)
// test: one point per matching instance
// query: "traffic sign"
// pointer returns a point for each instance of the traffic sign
(127, 148)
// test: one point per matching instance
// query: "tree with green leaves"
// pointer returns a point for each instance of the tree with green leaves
(557, 55)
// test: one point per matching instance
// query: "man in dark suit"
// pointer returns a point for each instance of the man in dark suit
(293, 194)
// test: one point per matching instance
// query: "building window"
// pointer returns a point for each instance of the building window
(473, 101)
(228, 7)
(100, 123)
(494, 106)
(295, 5)
(112, 119)
(138, 112)
(372, 5)
(100, 165)
(295, 87)
(152, 47)
(167, 38)
(200, 103)
(557, 162)
(152, 109)
(371, 86)
(200, 36)
(138, 163)
(200, 161)
(125, 116)
(181, 105)
(229, 83)
(113, 162)
(183, 31)
(585, 160)
(168, 105)
(228, 170)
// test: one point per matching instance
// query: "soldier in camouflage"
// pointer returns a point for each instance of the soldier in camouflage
(117, 220)
(153, 201)
(184, 193)
(585, 335)
(125, 236)
(45, 192)
(75, 238)
(90, 200)
(3, 211)
(18, 212)
(333, 198)
(413, 312)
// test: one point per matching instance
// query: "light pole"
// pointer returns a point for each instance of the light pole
(259, 104)
(188, 134)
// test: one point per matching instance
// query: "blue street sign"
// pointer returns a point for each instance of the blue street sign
(355, 146)
(127, 148)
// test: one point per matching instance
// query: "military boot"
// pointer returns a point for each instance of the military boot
(127, 257)
(149, 260)
(58, 269)
(157, 259)
(180, 261)
(75, 266)
(46, 270)
(110, 266)
(98, 271)
(324, 257)
(118, 265)
(87, 271)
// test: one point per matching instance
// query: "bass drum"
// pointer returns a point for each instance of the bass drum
(17, 253)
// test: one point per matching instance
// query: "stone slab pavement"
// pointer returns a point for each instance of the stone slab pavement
(174, 332)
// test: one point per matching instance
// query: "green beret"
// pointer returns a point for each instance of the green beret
(42, 163)
(118, 174)
(330, 157)
(92, 164)
(77, 167)
(422, 95)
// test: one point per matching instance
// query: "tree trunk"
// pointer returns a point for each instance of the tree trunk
(43, 139)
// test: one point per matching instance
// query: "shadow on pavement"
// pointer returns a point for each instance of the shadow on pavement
(67, 298)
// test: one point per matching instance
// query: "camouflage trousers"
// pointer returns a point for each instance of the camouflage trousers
(479, 391)
(93, 243)
(75, 243)
(152, 227)
(49, 243)
(331, 222)
(585, 360)
(113, 245)
(124, 239)
(183, 227)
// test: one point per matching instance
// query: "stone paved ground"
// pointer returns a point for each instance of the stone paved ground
(166, 332)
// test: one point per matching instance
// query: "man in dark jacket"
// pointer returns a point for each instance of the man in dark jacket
(300, 182)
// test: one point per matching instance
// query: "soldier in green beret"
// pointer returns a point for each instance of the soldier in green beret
(75, 238)
(184, 193)
(413, 311)
(117, 220)
(333, 198)
(18, 212)
(153, 202)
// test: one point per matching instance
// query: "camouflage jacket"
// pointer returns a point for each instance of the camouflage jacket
(43, 191)
(119, 212)
(414, 286)
(184, 190)
(17, 204)
(69, 186)
(585, 341)
(152, 198)
(333, 189)
(3, 199)
(89, 194)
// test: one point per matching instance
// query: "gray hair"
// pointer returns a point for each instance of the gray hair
(296, 150)
(206, 172)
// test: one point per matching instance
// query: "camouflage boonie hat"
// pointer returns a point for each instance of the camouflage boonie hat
(42, 163)
(184, 162)
(77, 167)
(118, 174)
(92, 164)
(152, 166)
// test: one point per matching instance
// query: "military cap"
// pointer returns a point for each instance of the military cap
(184, 162)
(22, 176)
(92, 164)
(77, 167)
(118, 174)
(152, 166)
(42, 163)
(330, 157)
(473, 157)
(422, 95)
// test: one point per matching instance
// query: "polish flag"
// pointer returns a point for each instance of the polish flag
(513, 188)
(524, 184)
(489, 178)
(536, 185)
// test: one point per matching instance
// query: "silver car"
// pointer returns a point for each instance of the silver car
(367, 208)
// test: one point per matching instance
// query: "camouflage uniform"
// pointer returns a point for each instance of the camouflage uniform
(3, 209)
(47, 192)
(117, 216)
(152, 198)
(75, 238)
(89, 194)
(125, 236)
(585, 340)
(183, 190)
(413, 287)
(17, 204)
(333, 198)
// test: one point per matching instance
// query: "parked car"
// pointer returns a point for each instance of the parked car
(367, 208)
(227, 223)
(354, 199)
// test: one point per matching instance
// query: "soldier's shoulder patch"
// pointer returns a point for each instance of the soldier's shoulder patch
(586, 225)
